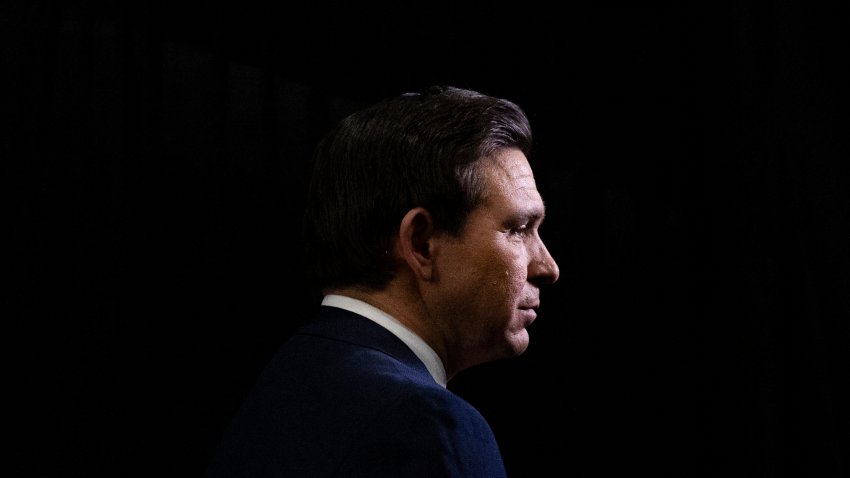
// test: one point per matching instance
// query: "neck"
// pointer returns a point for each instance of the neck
(407, 309)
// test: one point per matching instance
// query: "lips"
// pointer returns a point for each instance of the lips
(529, 311)
(528, 314)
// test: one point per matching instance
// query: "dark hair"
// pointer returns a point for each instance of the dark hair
(415, 149)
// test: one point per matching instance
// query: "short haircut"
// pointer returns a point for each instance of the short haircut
(412, 150)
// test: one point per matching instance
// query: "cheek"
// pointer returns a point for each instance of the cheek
(515, 284)
(508, 275)
(494, 273)
(514, 264)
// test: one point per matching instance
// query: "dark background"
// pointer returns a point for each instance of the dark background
(696, 180)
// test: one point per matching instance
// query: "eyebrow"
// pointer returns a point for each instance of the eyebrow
(530, 214)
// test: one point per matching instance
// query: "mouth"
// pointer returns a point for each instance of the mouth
(529, 312)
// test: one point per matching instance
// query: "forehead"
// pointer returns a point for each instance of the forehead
(510, 178)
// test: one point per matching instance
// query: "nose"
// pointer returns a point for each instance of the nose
(543, 269)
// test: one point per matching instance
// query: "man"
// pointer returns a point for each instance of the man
(422, 222)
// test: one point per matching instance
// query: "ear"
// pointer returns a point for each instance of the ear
(414, 242)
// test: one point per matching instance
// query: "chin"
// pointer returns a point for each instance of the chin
(518, 343)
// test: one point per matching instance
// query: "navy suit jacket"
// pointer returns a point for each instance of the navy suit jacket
(344, 397)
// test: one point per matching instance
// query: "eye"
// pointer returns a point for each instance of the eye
(521, 230)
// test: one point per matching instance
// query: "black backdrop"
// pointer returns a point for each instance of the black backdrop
(697, 189)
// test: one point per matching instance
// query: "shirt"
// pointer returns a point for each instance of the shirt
(419, 347)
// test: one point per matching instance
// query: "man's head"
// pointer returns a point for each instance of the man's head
(413, 150)
(431, 195)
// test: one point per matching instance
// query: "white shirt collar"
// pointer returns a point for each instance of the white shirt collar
(425, 353)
